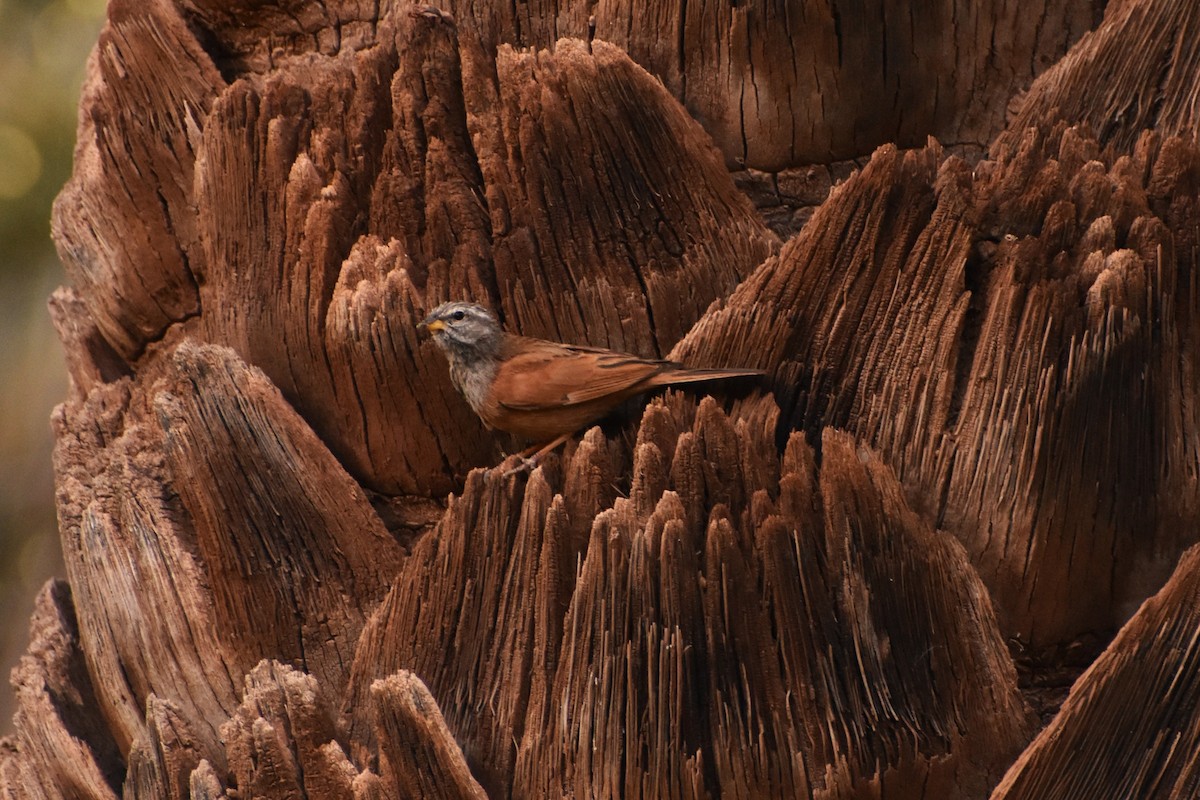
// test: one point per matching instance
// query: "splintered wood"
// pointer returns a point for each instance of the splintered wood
(291, 572)
(658, 682)
(1149, 680)
(983, 330)
(350, 212)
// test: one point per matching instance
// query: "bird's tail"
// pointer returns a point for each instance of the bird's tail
(688, 375)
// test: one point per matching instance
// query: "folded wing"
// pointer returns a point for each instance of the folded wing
(537, 374)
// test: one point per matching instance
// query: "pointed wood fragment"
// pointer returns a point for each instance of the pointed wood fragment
(1150, 86)
(1080, 341)
(142, 598)
(296, 553)
(125, 224)
(62, 737)
(161, 764)
(419, 756)
(282, 740)
(462, 614)
(611, 261)
(1143, 688)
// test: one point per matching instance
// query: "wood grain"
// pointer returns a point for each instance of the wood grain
(125, 225)
(65, 746)
(777, 84)
(1117, 90)
(291, 572)
(1147, 680)
(982, 327)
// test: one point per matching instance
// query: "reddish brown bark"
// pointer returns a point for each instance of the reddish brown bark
(290, 572)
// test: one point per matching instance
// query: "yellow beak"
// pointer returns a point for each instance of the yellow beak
(433, 327)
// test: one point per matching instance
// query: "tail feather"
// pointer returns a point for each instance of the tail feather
(689, 375)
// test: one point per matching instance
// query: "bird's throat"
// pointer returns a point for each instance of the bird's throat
(472, 373)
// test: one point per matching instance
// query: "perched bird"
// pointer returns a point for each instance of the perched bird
(540, 390)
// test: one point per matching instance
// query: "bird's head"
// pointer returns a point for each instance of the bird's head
(465, 330)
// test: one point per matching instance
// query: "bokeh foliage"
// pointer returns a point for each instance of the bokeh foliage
(43, 47)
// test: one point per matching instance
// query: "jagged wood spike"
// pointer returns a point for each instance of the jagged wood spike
(63, 747)
(1145, 684)
(419, 756)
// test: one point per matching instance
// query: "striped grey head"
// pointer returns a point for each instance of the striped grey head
(466, 332)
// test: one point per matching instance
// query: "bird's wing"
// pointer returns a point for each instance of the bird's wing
(535, 373)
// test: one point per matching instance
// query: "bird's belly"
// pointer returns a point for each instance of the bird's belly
(544, 424)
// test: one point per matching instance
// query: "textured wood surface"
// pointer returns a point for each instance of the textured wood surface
(1135, 72)
(1146, 682)
(1006, 335)
(291, 572)
(776, 83)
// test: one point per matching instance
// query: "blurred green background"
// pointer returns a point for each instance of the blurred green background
(44, 45)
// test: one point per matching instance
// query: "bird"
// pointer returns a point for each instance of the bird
(544, 391)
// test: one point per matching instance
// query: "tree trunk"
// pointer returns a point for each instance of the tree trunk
(968, 482)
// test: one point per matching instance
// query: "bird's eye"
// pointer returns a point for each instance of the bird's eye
(459, 315)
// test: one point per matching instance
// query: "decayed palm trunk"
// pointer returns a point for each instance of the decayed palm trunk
(975, 456)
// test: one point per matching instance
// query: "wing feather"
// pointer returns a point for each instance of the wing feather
(537, 374)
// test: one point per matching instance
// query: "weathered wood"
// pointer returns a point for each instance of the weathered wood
(294, 561)
(138, 585)
(282, 740)
(1137, 71)
(777, 84)
(642, 625)
(91, 360)
(462, 610)
(288, 576)
(64, 747)
(125, 225)
(1002, 335)
(418, 754)
(183, 585)
(161, 764)
(1145, 685)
